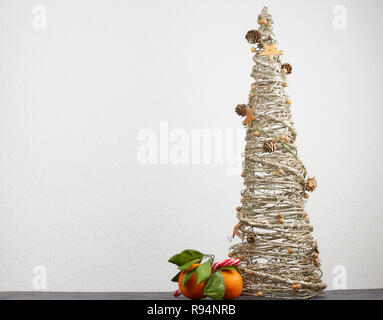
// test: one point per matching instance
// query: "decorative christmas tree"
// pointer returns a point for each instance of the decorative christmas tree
(278, 253)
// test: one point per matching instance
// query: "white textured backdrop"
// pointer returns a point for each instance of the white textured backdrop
(83, 82)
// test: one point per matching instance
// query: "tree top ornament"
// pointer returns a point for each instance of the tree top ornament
(279, 257)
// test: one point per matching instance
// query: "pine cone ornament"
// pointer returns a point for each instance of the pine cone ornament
(311, 184)
(270, 146)
(251, 237)
(287, 67)
(253, 36)
(263, 20)
(241, 110)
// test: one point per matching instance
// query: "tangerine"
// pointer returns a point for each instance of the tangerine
(191, 289)
(233, 283)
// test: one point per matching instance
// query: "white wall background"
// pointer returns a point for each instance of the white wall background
(75, 96)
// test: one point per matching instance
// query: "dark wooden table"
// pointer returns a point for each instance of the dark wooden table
(366, 294)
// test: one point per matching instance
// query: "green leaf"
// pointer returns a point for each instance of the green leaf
(188, 276)
(203, 271)
(175, 278)
(215, 288)
(188, 264)
(230, 268)
(183, 257)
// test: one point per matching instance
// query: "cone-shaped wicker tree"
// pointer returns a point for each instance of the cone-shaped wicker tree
(279, 255)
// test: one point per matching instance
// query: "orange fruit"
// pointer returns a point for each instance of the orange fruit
(191, 289)
(233, 283)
